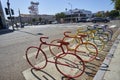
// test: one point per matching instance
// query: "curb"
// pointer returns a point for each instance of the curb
(104, 67)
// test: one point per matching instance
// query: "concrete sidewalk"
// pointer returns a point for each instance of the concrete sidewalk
(113, 72)
(110, 69)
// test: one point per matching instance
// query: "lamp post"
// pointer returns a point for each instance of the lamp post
(9, 11)
(71, 10)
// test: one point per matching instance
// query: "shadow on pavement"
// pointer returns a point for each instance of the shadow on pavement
(44, 74)
(91, 69)
(5, 31)
(31, 33)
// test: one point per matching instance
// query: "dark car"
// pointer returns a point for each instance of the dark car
(97, 19)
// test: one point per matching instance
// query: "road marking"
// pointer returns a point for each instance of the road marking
(112, 26)
(82, 25)
(50, 69)
(50, 72)
(30, 55)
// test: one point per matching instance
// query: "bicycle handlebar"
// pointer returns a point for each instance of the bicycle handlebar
(43, 38)
(65, 33)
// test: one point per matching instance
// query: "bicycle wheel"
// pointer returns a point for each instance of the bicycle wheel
(87, 51)
(109, 33)
(100, 44)
(73, 42)
(55, 49)
(110, 30)
(104, 37)
(35, 56)
(70, 65)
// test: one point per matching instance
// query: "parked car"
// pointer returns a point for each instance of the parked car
(83, 19)
(54, 22)
(88, 19)
(99, 19)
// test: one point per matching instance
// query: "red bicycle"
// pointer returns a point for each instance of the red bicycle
(68, 64)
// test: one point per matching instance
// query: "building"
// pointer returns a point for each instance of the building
(76, 14)
(2, 18)
(34, 19)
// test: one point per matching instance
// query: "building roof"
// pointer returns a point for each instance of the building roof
(77, 11)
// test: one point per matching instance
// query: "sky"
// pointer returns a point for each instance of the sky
(52, 7)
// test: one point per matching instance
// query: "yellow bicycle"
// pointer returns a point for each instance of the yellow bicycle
(92, 37)
(86, 50)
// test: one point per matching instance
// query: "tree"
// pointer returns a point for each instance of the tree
(116, 4)
(98, 15)
(114, 13)
(59, 16)
(33, 20)
(107, 13)
(40, 19)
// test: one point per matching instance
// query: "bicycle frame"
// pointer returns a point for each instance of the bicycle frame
(75, 36)
(49, 44)
(88, 32)
(60, 56)
(80, 42)
(79, 37)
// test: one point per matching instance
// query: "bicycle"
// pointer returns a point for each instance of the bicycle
(92, 37)
(98, 32)
(64, 61)
(87, 51)
(106, 30)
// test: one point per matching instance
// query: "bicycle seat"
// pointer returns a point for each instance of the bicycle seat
(63, 42)
(82, 35)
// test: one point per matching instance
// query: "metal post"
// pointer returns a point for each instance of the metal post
(20, 19)
(8, 5)
(71, 10)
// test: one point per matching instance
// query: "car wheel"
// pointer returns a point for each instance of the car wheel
(94, 21)
(105, 21)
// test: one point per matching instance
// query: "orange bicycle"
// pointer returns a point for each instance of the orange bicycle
(68, 64)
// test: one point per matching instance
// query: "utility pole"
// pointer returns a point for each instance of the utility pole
(20, 19)
(9, 10)
(71, 10)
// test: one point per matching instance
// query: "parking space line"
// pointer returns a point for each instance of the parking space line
(49, 69)
(112, 26)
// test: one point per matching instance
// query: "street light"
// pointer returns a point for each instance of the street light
(9, 11)
(71, 10)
